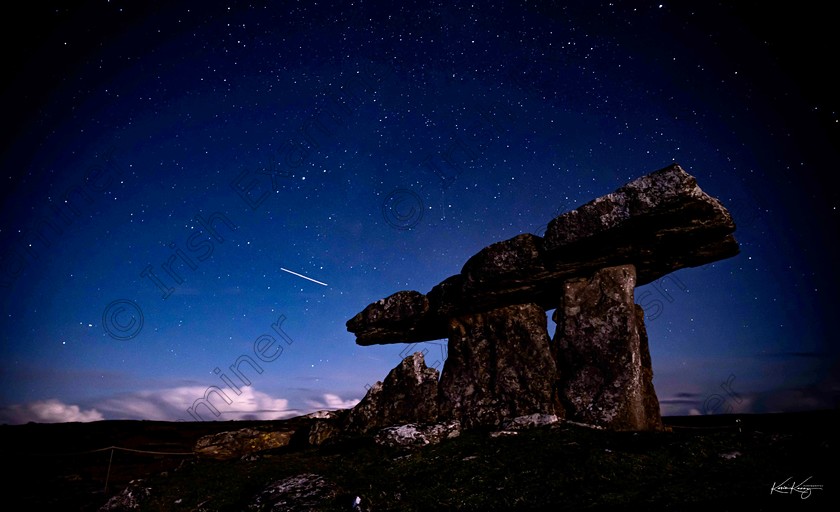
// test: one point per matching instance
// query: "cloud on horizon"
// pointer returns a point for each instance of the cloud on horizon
(331, 402)
(813, 398)
(47, 411)
(173, 404)
(197, 403)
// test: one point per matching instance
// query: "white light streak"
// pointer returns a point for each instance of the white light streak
(303, 276)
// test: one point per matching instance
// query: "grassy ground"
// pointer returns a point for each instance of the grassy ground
(703, 463)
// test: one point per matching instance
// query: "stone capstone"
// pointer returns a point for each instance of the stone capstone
(659, 223)
(601, 345)
(404, 315)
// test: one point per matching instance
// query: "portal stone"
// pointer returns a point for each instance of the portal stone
(499, 367)
(602, 348)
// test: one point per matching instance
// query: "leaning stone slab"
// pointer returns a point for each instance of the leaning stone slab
(409, 394)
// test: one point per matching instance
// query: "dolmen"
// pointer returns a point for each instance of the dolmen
(502, 363)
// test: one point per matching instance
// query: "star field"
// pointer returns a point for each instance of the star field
(193, 193)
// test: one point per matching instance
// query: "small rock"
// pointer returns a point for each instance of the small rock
(131, 498)
(323, 415)
(304, 492)
(322, 431)
(504, 433)
(417, 435)
(235, 444)
(584, 425)
(530, 421)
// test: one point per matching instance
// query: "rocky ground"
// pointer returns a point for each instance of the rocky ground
(703, 463)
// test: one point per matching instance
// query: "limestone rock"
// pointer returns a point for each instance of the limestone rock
(417, 435)
(506, 262)
(320, 427)
(601, 346)
(659, 223)
(597, 371)
(305, 492)
(446, 300)
(133, 497)
(499, 367)
(324, 414)
(235, 444)
(322, 431)
(407, 395)
(650, 402)
(401, 317)
(530, 421)
(513, 271)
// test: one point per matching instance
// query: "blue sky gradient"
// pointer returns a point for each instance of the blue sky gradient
(162, 164)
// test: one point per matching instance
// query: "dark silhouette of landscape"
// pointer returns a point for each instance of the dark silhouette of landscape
(718, 461)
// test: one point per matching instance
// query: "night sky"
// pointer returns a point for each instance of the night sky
(189, 188)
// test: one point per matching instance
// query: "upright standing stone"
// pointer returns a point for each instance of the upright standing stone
(499, 366)
(601, 346)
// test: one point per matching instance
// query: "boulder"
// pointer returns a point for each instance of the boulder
(134, 497)
(235, 444)
(499, 367)
(407, 395)
(322, 431)
(415, 435)
(320, 427)
(601, 346)
(306, 492)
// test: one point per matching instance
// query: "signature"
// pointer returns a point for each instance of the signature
(803, 488)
